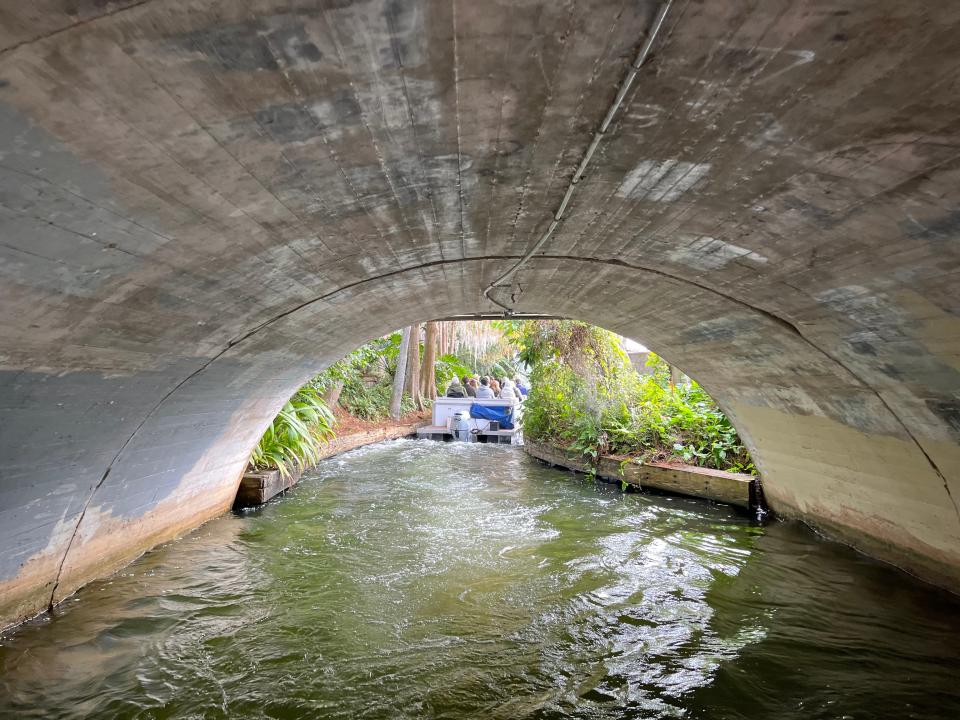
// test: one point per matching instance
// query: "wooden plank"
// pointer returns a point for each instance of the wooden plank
(731, 488)
(256, 487)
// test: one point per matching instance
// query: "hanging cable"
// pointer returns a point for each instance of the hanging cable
(594, 143)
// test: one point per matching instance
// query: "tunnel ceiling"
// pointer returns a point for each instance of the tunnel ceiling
(203, 202)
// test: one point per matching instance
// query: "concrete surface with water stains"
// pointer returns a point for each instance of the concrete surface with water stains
(204, 203)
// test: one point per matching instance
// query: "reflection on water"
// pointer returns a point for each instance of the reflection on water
(416, 579)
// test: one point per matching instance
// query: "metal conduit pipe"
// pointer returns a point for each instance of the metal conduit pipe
(591, 149)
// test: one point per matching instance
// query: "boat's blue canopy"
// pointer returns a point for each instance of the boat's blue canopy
(503, 415)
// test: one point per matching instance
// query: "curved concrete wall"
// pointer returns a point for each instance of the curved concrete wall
(202, 204)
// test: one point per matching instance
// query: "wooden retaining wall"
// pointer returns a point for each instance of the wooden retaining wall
(732, 488)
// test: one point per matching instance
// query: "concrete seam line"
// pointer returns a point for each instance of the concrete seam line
(625, 86)
(456, 99)
(67, 28)
(785, 324)
(106, 473)
(936, 468)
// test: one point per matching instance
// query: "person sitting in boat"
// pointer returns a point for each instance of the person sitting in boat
(521, 388)
(484, 392)
(510, 392)
(468, 386)
(473, 383)
(455, 390)
(495, 386)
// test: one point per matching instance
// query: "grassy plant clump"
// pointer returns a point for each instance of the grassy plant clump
(586, 395)
(297, 434)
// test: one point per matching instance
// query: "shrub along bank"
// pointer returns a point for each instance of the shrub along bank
(586, 396)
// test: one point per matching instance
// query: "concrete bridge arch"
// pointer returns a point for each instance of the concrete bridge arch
(202, 204)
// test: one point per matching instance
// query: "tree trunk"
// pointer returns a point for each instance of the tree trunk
(400, 375)
(451, 337)
(332, 396)
(413, 367)
(428, 383)
(674, 377)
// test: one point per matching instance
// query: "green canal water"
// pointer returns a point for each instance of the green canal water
(428, 580)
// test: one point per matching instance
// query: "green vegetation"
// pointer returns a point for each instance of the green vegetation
(361, 386)
(586, 395)
(367, 377)
(448, 367)
(297, 433)
(305, 424)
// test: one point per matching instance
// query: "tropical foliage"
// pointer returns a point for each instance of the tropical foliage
(305, 423)
(448, 367)
(370, 402)
(585, 394)
(297, 433)
(362, 383)
(377, 356)
(367, 376)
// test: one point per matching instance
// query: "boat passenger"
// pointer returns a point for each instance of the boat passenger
(484, 392)
(455, 390)
(521, 387)
(473, 384)
(495, 386)
(468, 386)
(509, 392)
